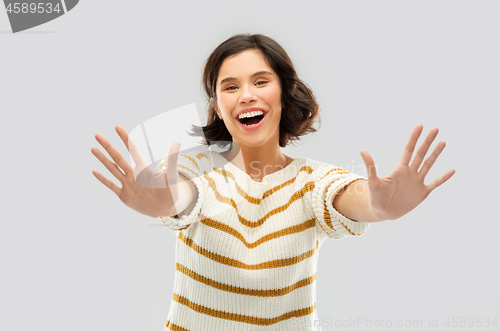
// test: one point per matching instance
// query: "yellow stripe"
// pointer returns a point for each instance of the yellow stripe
(297, 195)
(238, 264)
(284, 232)
(174, 327)
(184, 167)
(241, 290)
(242, 318)
(193, 160)
(266, 194)
(338, 170)
(309, 186)
(322, 228)
(199, 156)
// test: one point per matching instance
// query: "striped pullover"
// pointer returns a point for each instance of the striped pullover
(246, 252)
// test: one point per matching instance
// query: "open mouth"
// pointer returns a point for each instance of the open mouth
(249, 121)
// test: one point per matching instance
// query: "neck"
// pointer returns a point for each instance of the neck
(259, 161)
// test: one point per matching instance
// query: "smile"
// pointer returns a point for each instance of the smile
(252, 123)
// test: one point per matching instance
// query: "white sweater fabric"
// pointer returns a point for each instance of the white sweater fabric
(246, 252)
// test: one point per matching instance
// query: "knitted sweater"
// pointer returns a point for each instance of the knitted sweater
(246, 252)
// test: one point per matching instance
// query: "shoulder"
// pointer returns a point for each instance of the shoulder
(319, 169)
(194, 161)
(314, 165)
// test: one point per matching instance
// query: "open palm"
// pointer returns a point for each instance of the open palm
(149, 192)
(403, 189)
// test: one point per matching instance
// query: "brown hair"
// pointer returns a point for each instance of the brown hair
(299, 106)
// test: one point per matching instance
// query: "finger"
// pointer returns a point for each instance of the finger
(109, 184)
(419, 156)
(441, 180)
(140, 163)
(115, 155)
(431, 159)
(123, 134)
(410, 145)
(108, 164)
(370, 165)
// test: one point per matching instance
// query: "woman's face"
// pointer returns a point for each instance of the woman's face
(246, 81)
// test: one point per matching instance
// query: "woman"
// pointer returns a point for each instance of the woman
(250, 221)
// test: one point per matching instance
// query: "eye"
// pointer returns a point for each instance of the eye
(261, 82)
(229, 88)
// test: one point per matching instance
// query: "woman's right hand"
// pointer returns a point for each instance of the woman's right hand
(149, 192)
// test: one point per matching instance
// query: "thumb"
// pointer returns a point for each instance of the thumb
(171, 173)
(370, 165)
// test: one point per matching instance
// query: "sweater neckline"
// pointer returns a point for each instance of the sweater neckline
(267, 178)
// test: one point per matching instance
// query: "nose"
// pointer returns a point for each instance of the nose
(247, 94)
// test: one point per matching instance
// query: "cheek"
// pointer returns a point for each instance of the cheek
(273, 96)
(227, 100)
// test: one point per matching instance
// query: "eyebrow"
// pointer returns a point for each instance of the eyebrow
(229, 79)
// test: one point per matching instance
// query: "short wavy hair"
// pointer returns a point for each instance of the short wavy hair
(299, 106)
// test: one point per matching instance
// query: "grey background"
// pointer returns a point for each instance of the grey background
(73, 257)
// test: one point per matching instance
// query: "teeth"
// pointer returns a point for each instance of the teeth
(251, 114)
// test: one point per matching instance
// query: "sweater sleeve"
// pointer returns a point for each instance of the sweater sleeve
(329, 222)
(193, 166)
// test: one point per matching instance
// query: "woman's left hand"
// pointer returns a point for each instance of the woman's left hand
(402, 190)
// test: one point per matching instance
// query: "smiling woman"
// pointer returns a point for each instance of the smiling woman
(250, 221)
(247, 247)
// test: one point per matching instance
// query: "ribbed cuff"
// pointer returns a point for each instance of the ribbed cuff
(332, 222)
(191, 213)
